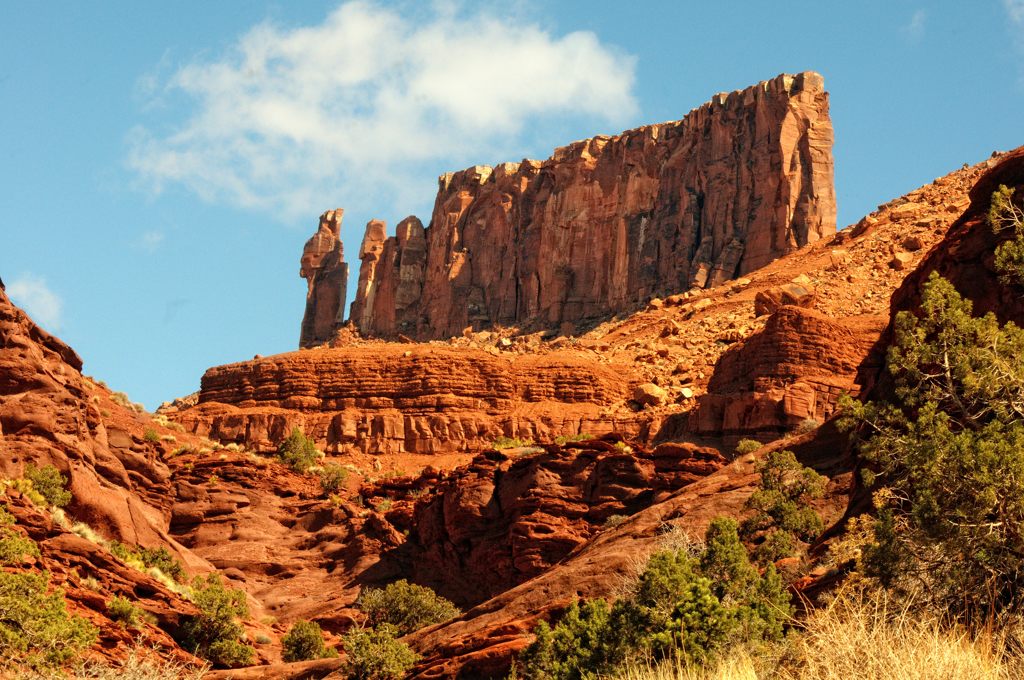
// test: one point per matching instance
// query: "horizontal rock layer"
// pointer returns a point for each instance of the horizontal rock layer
(607, 222)
(792, 371)
(407, 398)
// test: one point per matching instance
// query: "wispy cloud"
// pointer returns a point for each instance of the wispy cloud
(32, 294)
(289, 118)
(151, 240)
(915, 28)
(1015, 10)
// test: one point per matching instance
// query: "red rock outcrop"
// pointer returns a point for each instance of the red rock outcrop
(326, 273)
(51, 414)
(393, 398)
(966, 256)
(510, 515)
(791, 371)
(607, 222)
(482, 642)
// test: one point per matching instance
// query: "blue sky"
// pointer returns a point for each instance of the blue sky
(163, 163)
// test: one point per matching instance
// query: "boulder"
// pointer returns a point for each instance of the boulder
(771, 300)
(649, 394)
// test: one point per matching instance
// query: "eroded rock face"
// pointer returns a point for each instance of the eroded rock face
(792, 371)
(483, 642)
(51, 414)
(510, 515)
(388, 398)
(326, 273)
(607, 222)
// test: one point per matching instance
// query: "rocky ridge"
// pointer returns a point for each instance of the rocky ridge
(606, 222)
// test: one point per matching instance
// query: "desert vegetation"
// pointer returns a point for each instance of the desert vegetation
(36, 629)
(305, 641)
(215, 633)
(298, 451)
(687, 605)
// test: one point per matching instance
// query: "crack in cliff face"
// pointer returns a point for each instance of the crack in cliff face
(601, 225)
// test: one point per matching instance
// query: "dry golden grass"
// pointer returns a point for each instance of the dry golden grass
(737, 666)
(863, 639)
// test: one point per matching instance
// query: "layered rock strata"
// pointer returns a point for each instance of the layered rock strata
(383, 398)
(607, 222)
(791, 372)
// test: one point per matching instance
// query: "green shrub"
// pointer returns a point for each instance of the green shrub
(35, 626)
(49, 483)
(614, 521)
(578, 646)
(15, 547)
(215, 633)
(502, 443)
(781, 504)
(298, 451)
(162, 559)
(745, 446)
(305, 641)
(405, 606)
(376, 654)
(683, 606)
(122, 610)
(333, 478)
(808, 425)
(151, 436)
(948, 470)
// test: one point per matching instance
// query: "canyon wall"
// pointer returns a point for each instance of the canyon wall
(607, 222)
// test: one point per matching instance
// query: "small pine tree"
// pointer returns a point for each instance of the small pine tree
(689, 606)
(577, 647)
(215, 633)
(783, 515)
(35, 627)
(298, 451)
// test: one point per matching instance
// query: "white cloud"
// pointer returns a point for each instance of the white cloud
(288, 117)
(151, 240)
(916, 26)
(31, 293)
(1015, 10)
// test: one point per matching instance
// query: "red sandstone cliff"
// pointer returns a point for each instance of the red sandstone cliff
(607, 222)
(408, 398)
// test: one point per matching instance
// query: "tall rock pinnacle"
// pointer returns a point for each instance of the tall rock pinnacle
(326, 273)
